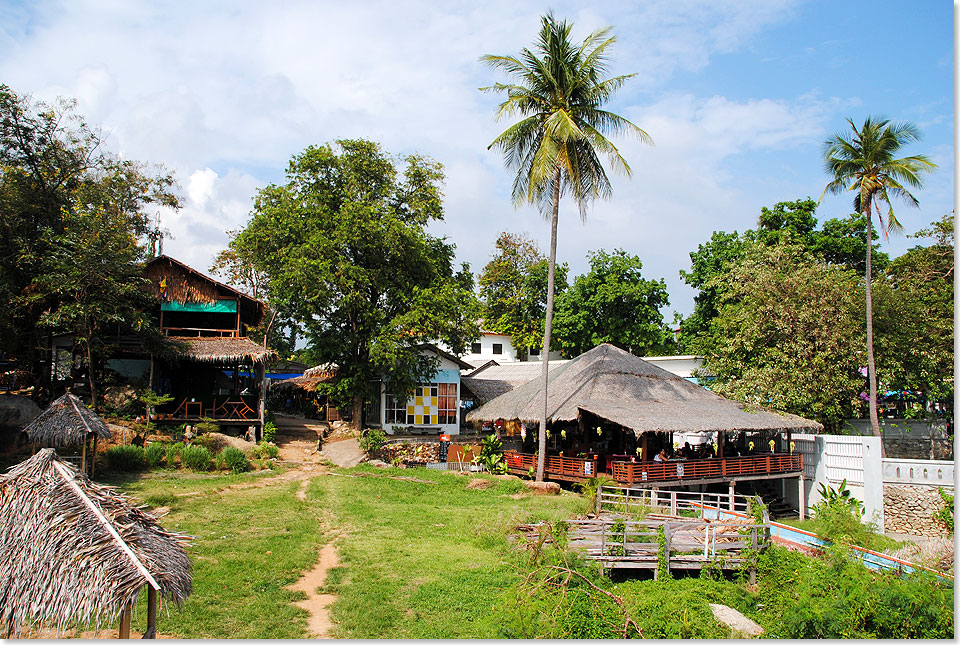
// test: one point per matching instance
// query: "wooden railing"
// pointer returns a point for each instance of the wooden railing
(229, 410)
(629, 472)
(556, 467)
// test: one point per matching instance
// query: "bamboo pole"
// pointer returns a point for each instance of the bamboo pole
(83, 455)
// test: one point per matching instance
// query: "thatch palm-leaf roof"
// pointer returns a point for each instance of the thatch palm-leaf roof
(620, 387)
(75, 553)
(221, 350)
(67, 422)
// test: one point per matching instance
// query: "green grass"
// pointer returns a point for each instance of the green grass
(433, 559)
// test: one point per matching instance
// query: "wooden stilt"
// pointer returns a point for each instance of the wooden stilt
(93, 457)
(151, 613)
(83, 456)
(732, 487)
(125, 622)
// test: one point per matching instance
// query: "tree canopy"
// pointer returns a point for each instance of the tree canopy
(613, 303)
(343, 247)
(513, 290)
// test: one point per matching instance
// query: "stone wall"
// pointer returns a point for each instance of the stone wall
(918, 448)
(909, 509)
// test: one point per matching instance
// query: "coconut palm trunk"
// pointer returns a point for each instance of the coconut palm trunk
(548, 324)
(871, 360)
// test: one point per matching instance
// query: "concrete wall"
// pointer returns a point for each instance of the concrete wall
(909, 438)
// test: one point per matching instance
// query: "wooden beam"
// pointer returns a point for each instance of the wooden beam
(151, 613)
(93, 457)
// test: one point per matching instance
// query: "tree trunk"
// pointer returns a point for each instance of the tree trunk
(871, 362)
(93, 390)
(358, 412)
(548, 324)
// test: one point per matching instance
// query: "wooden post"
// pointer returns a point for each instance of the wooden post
(643, 448)
(93, 457)
(83, 455)
(125, 622)
(673, 502)
(753, 564)
(151, 613)
(667, 538)
(732, 485)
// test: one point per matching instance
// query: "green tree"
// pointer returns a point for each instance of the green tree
(57, 185)
(513, 290)
(864, 161)
(786, 334)
(559, 89)
(914, 299)
(613, 303)
(839, 241)
(344, 251)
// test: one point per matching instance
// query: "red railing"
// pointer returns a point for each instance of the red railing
(231, 409)
(629, 472)
(556, 467)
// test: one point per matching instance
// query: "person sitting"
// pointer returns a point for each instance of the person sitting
(661, 456)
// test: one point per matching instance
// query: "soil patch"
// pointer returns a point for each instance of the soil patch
(317, 604)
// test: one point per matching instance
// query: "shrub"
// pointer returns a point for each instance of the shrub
(373, 440)
(591, 487)
(196, 458)
(173, 451)
(235, 460)
(945, 514)
(491, 455)
(264, 450)
(206, 425)
(269, 431)
(154, 454)
(126, 458)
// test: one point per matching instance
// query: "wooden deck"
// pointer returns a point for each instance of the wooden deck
(618, 542)
(234, 410)
(631, 473)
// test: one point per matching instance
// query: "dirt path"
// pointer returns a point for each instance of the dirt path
(317, 604)
(297, 439)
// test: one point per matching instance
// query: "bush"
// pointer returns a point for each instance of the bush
(196, 458)
(269, 431)
(126, 458)
(154, 454)
(264, 450)
(206, 425)
(235, 460)
(173, 451)
(373, 440)
(491, 455)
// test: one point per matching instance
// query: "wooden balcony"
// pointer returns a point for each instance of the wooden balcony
(231, 410)
(631, 472)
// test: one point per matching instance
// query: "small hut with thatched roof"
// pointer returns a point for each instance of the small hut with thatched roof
(612, 404)
(77, 554)
(68, 423)
(299, 395)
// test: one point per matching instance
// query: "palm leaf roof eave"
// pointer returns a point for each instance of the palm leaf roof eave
(220, 350)
(76, 553)
(66, 422)
(620, 387)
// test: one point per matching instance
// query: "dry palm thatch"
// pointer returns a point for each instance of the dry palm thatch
(622, 388)
(74, 553)
(221, 351)
(67, 422)
(183, 284)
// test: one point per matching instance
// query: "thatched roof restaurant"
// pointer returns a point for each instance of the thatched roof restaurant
(626, 390)
(76, 554)
(221, 351)
(67, 422)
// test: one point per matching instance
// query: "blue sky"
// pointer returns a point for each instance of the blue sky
(738, 97)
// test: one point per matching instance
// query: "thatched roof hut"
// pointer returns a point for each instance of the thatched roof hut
(75, 553)
(67, 422)
(221, 350)
(184, 284)
(624, 389)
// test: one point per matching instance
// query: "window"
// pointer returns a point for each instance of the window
(498, 348)
(447, 412)
(395, 411)
(475, 348)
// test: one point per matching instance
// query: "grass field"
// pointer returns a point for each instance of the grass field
(422, 555)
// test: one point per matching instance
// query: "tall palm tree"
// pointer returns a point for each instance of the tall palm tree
(863, 161)
(559, 89)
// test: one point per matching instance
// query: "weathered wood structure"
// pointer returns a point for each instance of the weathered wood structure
(77, 554)
(612, 412)
(210, 367)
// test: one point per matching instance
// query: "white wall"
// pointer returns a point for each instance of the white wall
(487, 341)
(448, 372)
